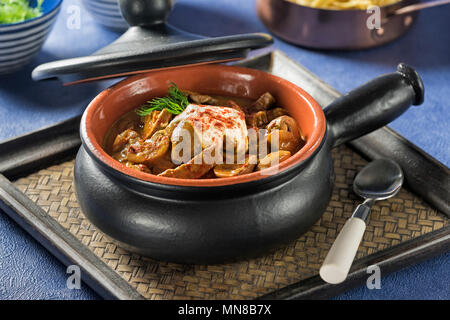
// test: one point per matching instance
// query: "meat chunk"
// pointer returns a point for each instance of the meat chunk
(257, 119)
(163, 164)
(155, 121)
(124, 138)
(149, 151)
(140, 167)
(275, 113)
(200, 98)
(195, 168)
(264, 102)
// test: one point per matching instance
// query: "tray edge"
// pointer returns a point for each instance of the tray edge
(29, 215)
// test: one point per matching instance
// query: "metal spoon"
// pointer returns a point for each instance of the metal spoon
(381, 179)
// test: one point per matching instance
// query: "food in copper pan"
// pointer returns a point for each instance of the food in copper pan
(344, 4)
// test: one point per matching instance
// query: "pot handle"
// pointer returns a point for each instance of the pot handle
(374, 104)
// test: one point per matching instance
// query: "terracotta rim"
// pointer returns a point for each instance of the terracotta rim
(312, 144)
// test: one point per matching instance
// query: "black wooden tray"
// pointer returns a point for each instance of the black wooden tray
(425, 176)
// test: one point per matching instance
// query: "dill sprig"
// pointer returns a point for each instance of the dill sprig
(13, 11)
(175, 102)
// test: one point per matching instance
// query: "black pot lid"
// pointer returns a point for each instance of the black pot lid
(147, 45)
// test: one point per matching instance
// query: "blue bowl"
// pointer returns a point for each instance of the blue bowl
(21, 41)
(107, 13)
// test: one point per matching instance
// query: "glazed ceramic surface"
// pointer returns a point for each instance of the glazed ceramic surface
(216, 79)
(217, 220)
(107, 13)
(20, 42)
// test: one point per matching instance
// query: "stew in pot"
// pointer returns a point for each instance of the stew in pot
(192, 135)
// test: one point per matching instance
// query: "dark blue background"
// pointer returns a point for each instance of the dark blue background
(28, 271)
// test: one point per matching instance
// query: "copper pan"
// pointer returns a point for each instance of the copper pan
(338, 29)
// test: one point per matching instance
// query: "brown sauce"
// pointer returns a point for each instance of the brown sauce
(125, 141)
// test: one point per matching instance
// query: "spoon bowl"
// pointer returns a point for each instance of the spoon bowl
(381, 179)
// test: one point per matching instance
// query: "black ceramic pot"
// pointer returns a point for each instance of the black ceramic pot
(189, 224)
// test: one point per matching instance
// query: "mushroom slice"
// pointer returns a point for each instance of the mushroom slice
(257, 119)
(285, 123)
(193, 169)
(149, 151)
(127, 136)
(264, 102)
(139, 166)
(231, 170)
(283, 140)
(157, 120)
(275, 113)
(200, 98)
(272, 159)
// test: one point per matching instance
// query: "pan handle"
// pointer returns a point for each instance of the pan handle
(373, 105)
(420, 6)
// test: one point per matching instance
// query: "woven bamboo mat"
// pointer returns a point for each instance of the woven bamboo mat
(391, 222)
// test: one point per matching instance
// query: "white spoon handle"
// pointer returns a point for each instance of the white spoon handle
(340, 257)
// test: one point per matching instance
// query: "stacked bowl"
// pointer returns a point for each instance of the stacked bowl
(20, 42)
(107, 13)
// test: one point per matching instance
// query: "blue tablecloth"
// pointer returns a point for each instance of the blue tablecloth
(27, 271)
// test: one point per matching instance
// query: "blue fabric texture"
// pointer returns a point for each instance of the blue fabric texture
(28, 271)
